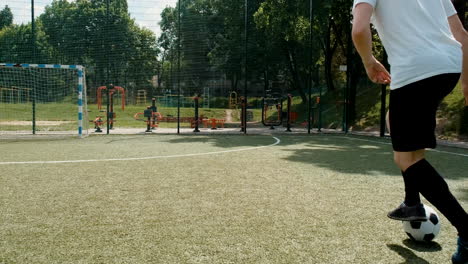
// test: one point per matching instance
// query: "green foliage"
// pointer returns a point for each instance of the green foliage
(6, 17)
(16, 43)
(285, 49)
(81, 32)
(219, 102)
(453, 115)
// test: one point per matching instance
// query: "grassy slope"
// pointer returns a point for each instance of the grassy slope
(448, 114)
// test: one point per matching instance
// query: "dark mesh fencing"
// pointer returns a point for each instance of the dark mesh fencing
(211, 53)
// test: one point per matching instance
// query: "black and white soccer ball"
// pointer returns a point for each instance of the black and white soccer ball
(423, 231)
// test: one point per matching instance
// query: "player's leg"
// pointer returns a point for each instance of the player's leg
(461, 255)
(405, 154)
(412, 201)
(411, 209)
(412, 120)
(411, 192)
(404, 160)
(435, 189)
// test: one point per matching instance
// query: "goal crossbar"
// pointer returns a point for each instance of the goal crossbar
(81, 91)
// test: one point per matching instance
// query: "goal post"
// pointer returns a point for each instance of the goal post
(43, 99)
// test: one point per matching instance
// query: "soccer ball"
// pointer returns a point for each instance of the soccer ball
(423, 231)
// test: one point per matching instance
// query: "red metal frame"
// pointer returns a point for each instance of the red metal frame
(113, 90)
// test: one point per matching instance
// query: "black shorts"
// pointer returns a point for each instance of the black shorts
(413, 111)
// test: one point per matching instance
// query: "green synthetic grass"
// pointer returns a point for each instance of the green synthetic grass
(309, 199)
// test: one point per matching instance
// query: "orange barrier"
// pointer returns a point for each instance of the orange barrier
(293, 116)
(156, 117)
(213, 122)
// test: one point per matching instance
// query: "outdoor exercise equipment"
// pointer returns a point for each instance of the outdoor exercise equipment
(98, 122)
(196, 119)
(272, 109)
(243, 116)
(111, 91)
(289, 113)
(214, 122)
(313, 109)
(151, 115)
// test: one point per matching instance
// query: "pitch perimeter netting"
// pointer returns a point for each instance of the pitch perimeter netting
(42, 99)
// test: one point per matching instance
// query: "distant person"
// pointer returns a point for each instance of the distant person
(427, 50)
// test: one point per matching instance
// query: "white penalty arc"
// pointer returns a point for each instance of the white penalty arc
(277, 141)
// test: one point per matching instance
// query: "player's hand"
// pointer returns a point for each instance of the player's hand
(377, 72)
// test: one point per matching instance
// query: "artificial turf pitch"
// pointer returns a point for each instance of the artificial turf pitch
(212, 199)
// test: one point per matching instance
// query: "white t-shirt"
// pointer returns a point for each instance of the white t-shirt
(417, 37)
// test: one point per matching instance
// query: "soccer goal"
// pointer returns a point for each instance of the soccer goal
(43, 99)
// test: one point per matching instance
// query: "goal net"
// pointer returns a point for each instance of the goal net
(43, 99)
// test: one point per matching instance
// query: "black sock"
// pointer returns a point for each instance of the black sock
(435, 189)
(411, 190)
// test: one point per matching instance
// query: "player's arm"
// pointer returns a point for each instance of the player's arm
(461, 35)
(362, 38)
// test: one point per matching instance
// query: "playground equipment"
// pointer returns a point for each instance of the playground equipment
(272, 108)
(206, 97)
(274, 104)
(314, 110)
(269, 104)
(173, 100)
(152, 116)
(197, 118)
(243, 116)
(233, 100)
(141, 97)
(111, 91)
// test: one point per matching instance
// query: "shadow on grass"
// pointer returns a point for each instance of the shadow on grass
(349, 154)
(225, 141)
(464, 195)
(344, 154)
(422, 246)
(408, 255)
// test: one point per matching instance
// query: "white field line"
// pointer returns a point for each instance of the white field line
(277, 141)
(386, 143)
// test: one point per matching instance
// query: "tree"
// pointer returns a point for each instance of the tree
(16, 43)
(6, 17)
(286, 28)
(83, 32)
(227, 53)
(197, 35)
(167, 42)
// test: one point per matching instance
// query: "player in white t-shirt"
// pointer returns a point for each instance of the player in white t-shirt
(427, 50)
